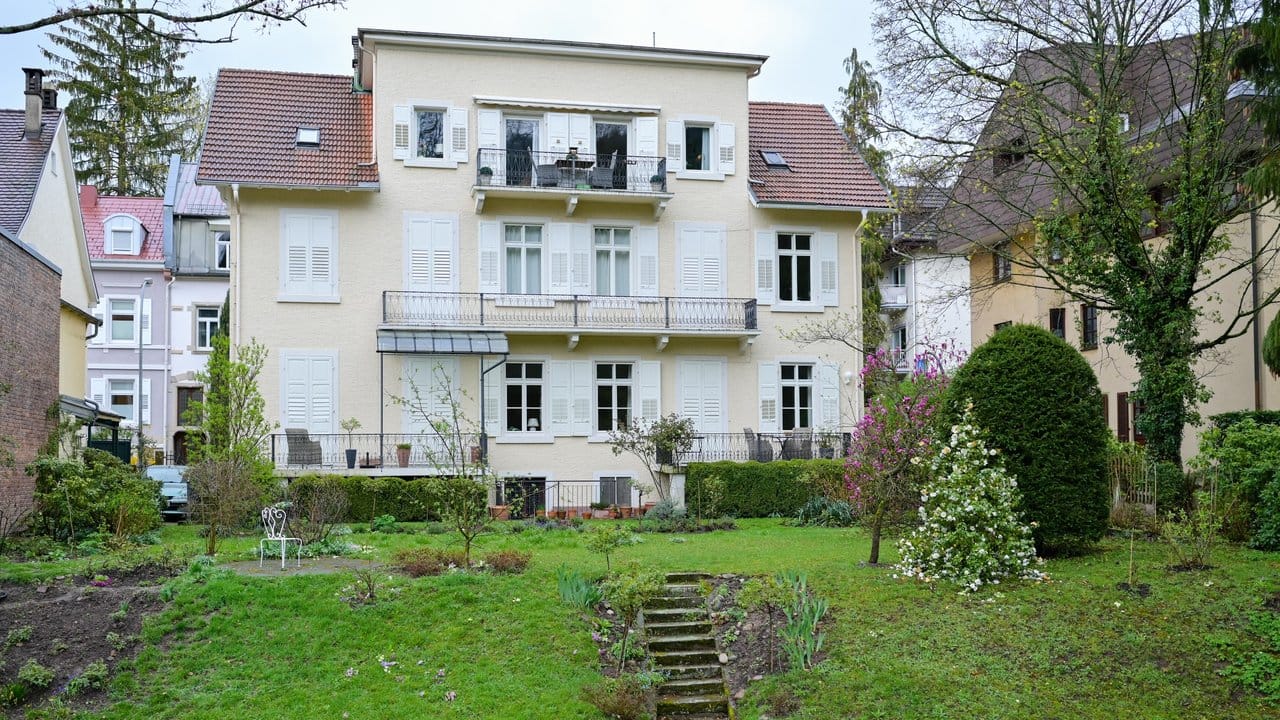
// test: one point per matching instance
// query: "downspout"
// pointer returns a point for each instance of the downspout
(1257, 319)
(168, 345)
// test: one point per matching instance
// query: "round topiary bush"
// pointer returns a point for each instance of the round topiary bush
(1039, 402)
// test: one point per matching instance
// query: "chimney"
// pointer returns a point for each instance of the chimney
(35, 101)
(49, 99)
(88, 195)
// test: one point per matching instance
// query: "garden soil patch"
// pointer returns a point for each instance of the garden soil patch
(72, 624)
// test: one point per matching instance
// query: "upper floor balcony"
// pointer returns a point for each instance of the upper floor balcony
(573, 314)
(892, 296)
(571, 177)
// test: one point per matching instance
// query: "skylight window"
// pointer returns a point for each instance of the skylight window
(308, 137)
(773, 158)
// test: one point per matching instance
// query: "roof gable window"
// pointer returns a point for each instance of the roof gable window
(123, 235)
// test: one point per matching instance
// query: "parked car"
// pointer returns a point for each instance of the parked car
(173, 487)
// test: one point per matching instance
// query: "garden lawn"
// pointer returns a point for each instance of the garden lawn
(1075, 647)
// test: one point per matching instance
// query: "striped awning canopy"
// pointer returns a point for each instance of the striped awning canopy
(442, 342)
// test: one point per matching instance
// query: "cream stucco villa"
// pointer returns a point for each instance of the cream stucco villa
(600, 231)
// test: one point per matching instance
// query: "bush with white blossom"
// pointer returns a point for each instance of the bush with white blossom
(969, 531)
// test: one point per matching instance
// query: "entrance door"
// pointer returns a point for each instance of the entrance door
(522, 139)
(611, 145)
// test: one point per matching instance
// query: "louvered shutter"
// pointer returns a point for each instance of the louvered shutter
(688, 264)
(646, 130)
(489, 139)
(581, 393)
(321, 396)
(558, 132)
(580, 135)
(145, 319)
(493, 390)
(580, 259)
(649, 391)
(401, 130)
(146, 401)
(644, 266)
(559, 243)
(828, 269)
(766, 262)
(560, 376)
(1122, 417)
(675, 145)
(714, 379)
(418, 256)
(296, 267)
(322, 255)
(490, 257)
(459, 135)
(700, 386)
(98, 392)
(727, 142)
(828, 404)
(713, 263)
(769, 401)
(444, 256)
(294, 408)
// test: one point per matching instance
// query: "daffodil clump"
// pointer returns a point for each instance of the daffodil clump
(969, 531)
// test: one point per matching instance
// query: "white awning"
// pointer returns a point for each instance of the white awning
(542, 104)
(442, 342)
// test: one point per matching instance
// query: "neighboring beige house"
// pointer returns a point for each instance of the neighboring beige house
(40, 205)
(609, 231)
(996, 237)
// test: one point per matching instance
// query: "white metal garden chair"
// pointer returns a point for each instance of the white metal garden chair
(273, 521)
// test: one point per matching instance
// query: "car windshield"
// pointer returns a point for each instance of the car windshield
(165, 474)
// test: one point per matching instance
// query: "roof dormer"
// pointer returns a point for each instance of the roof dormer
(122, 234)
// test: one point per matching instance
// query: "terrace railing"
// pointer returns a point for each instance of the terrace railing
(558, 171)
(328, 451)
(764, 447)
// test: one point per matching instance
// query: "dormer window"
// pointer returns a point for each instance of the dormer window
(122, 235)
(774, 160)
(308, 137)
(1009, 156)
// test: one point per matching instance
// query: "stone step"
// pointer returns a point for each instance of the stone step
(676, 601)
(669, 643)
(687, 577)
(690, 704)
(666, 615)
(692, 672)
(684, 658)
(693, 686)
(682, 627)
(679, 589)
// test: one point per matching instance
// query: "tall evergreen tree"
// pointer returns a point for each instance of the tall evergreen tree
(130, 107)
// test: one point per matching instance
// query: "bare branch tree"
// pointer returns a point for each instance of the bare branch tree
(184, 20)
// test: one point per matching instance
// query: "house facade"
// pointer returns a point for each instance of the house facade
(127, 366)
(197, 252)
(460, 228)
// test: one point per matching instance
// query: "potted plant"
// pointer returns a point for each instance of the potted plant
(402, 453)
(600, 511)
(500, 512)
(486, 175)
(670, 435)
(350, 425)
(656, 182)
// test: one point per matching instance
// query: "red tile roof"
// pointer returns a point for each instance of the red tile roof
(823, 168)
(22, 164)
(251, 135)
(97, 208)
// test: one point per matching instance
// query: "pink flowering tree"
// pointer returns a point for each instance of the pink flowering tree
(898, 435)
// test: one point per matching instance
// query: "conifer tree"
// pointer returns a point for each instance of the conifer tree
(130, 107)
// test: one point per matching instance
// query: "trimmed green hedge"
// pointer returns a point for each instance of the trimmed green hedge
(1225, 420)
(408, 500)
(755, 489)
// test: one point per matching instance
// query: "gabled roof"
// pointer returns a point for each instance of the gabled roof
(823, 168)
(918, 207)
(251, 135)
(23, 163)
(196, 200)
(148, 210)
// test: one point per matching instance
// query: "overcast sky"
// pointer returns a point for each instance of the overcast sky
(806, 40)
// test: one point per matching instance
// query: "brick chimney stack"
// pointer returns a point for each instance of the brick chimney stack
(35, 101)
(88, 196)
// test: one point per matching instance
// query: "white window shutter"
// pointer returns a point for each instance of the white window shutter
(558, 132)
(580, 260)
(459, 135)
(558, 253)
(649, 392)
(675, 145)
(828, 397)
(560, 375)
(727, 141)
(145, 320)
(713, 263)
(98, 391)
(580, 135)
(689, 391)
(293, 410)
(320, 394)
(646, 130)
(766, 262)
(714, 386)
(295, 264)
(146, 401)
(417, 262)
(769, 400)
(489, 128)
(828, 272)
(581, 393)
(645, 261)
(444, 255)
(490, 257)
(401, 131)
(99, 311)
(688, 263)
(493, 390)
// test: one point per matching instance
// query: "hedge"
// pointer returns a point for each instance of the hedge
(408, 500)
(755, 489)
(1224, 421)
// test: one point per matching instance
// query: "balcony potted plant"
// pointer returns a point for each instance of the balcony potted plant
(600, 511)
(486, 175)
(656, 182)
(670, 435)
(350, 425)
(402, 453)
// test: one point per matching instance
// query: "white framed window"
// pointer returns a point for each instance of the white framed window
(430, 133)
(308, 256)
(120, 399)
(524, 397)
(122, 235)
(222, 251)
(898, 346)
(898, 275)
(614, 394)
(701, 148)
(697, 147)
(796, 383)
(795, 268)
(119, 394)
(206, 327)
(122, 320)
(613, 261)
(522, 248)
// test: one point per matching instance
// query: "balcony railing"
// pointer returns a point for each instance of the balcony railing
(551, 312)
(558, 171)
(323, 452)
(764, 447)
(893, 296)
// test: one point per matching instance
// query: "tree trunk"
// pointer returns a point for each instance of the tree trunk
(211, 540)
(877, 528)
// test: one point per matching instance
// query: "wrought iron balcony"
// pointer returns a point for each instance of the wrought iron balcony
(764, 447)
(614, 178)
(893, 297)
(297, 451)
(570, 313)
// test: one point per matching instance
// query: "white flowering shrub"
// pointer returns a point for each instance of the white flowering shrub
(969, 531)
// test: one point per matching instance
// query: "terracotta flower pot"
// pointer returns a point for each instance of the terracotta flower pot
(402, 456)
(500, 512)
(570, 514)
